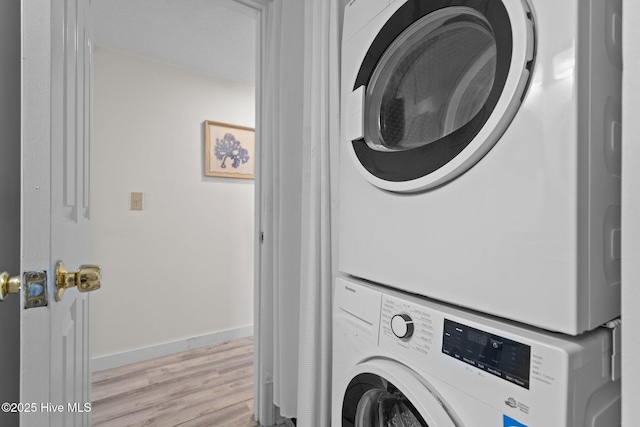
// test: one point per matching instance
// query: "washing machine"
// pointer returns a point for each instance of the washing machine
(400, 360)
(480, 155)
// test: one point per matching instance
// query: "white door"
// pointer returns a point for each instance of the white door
(56, 209)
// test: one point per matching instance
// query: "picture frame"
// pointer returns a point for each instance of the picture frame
(229, 150)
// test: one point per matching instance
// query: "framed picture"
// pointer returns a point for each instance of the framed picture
(229, 150)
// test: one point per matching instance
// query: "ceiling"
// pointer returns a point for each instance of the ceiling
(214, 36)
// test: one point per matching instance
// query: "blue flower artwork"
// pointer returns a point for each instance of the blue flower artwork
(229, 148)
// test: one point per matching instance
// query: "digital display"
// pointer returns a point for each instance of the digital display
(502, 357)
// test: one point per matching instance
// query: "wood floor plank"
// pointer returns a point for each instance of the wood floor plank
(240, 423)
(238, 414)
(138, 400)
(108, 387)
(204, 403)
(167, 373)
(207, 358)
(210, 386)
(117, 386)
(173, 412)
(172, 358)
(148, 397)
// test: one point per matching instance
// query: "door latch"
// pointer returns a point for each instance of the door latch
(35, 289)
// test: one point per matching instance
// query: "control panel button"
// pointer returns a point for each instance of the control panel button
(402, 325)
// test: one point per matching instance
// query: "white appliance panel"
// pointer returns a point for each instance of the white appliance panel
(531, 231)
(567, 380)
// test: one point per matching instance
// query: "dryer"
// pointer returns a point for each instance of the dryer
(400, 360)
(480, 155)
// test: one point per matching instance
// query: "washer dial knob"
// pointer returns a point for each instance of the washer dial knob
(402, 325)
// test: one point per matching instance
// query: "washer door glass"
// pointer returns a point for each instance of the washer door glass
(383, 408)
(372, 400)
(431, 81)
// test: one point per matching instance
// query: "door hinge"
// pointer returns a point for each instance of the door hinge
(35, 289)
(262, 237)
(616, 353)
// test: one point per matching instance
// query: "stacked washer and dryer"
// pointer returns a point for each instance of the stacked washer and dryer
(479, 214)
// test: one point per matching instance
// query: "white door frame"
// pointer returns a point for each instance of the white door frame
(264, 409)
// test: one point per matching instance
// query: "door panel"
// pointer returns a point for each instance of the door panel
(70, 192)
(70, 378)
(56, 194)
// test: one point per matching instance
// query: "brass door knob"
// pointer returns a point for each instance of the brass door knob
(8, 285)
(87, 279)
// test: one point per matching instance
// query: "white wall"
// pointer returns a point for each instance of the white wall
(10, 201)
(183, 266)
(631, 214)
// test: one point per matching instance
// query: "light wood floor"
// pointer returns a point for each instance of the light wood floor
(208, 386)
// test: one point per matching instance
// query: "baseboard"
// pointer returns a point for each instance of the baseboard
(115, 360)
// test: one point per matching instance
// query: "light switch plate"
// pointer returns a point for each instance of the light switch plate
(136, 201)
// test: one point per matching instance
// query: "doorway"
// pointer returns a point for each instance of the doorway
(176, 246)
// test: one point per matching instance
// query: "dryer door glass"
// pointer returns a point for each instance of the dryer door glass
(437, 87)
(432, 80)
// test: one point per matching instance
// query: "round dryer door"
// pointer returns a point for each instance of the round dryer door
(384, 393)
(439, 84)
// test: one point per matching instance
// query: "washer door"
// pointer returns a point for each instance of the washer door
(384, 393)
(439, 85)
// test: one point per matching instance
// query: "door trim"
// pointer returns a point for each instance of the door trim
(264, 409)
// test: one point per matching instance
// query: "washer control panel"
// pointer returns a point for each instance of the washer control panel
(415, 331)
(407, 326)
(502, 357)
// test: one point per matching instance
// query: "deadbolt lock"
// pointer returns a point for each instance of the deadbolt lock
(8, 285)
(88, 278)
